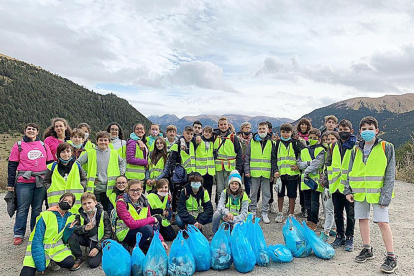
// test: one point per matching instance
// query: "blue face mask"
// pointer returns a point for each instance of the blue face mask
(64, 162)
(134, 137)
(77, 146)
(195, 185)
(368, 135)
(285, 139)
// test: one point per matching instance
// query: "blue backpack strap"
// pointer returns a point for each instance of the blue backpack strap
(53, 166)
(79, 165)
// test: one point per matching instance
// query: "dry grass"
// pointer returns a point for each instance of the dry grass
(405, 162)
(6, 143)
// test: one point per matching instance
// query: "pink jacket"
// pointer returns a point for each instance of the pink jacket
(125, 216)
(53, 143)
(130, 154)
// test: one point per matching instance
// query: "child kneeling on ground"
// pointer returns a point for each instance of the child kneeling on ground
(92, 228)
(161, 208)
(194, 206)
(234, 203)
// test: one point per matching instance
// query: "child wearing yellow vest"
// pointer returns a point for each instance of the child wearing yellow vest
(158, 164)
(161, 208)
(371, 182)
(233, 204)
(310, 162)
(65, 176)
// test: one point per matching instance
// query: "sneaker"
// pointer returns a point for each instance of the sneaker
(323, 237)
(339, 241)
(265, 218)
(274, 208)
(77, 265)
(332, 233)
(54, 266)
(389, 265)
(17, 241)
(303, 212)
(279, 217)
(349, 244)
(365, 255)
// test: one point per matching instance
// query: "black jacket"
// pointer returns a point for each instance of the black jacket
(202, 218)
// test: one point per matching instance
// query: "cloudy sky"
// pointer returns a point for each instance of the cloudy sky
(275, 58)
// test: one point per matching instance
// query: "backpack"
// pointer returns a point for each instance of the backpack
(19, 145)
(55, 164)
(179, 175)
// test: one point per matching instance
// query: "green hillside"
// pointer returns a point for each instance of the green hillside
(31, 94)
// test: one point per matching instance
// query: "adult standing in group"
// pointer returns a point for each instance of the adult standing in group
(137, 153)
(117, 139)
(228, 154)
(245, 135)
(87, 144)
(26, 169)
(56, 134)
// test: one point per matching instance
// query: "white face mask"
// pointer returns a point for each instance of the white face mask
(262, 135)
(162, 194)
(86, 136)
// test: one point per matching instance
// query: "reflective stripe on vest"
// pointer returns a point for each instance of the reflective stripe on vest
(226, 156)
(112, 171)
(101, 226)
(187, 160)
(121, 229)
(338, 170)
(204, 159)
(366, 180)
(59, 186)
(136, 171)
(194, 207)
(286, 158)
(156, 203)
(305, 157)
(53, 245)
(260, 164)
(235, 209)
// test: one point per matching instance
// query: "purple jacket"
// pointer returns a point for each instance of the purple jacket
(130, 154)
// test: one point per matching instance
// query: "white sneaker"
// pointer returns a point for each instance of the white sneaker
(265, 218)
(279, 217)
(274, 208)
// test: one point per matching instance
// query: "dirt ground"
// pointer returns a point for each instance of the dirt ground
(402, 224)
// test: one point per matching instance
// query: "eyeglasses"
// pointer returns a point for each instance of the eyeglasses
(121, 183)
(135, 191)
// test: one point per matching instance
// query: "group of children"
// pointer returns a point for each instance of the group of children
(122, 187)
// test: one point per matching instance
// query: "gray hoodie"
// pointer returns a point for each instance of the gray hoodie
(221, 207)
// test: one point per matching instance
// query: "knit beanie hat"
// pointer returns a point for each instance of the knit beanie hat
(235, 176)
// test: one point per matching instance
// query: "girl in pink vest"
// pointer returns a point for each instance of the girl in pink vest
(57, 133)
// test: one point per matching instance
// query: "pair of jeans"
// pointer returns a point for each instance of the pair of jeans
(147, 232)
(311, 201)
(102, 198)
(27, 195)
(208, 183)
(340, 203)
(31, 271)
(76, 240)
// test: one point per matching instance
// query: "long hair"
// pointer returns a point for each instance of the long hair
(144, 138)
(120, 131)
(50, 131)
(306, 122)
(158, 154)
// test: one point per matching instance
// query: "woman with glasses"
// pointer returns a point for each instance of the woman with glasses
(134, 216)
(117, 139)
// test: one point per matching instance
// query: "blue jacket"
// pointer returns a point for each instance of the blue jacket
(38, 251)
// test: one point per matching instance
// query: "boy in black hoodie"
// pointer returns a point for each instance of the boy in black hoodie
(194, 206)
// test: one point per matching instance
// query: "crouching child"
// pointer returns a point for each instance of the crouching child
(233, 204)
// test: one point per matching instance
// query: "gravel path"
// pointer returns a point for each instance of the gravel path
(402, 224)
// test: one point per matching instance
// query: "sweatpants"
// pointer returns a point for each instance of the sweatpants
(208, 183)
(31, 271)
(340, 203)
(329, 215)
(76, 240)
(311, 201)
(264, 184)
(222, 178)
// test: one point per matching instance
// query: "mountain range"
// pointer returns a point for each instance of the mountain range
(211, 120)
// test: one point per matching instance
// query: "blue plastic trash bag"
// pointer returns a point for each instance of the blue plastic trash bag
(247, 227)
(116, 260)
(156, 260)
(241, 250)
(280, 253)
(180, 261)
(200, 248)
(295, 239)
(137, 258)
(258, 243)
(320, 248)
(220, 249)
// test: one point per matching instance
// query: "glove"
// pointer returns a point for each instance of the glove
(326, 194)
(278, 185)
